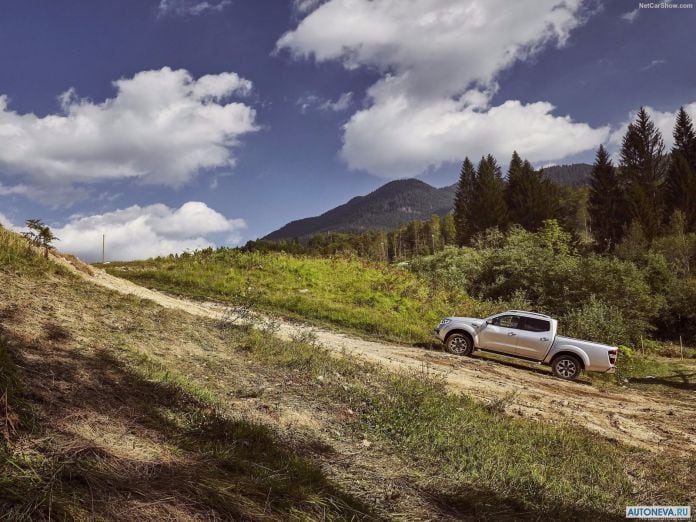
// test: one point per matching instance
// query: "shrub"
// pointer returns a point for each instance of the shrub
(543, 270)
(598, 321)
(679, 314)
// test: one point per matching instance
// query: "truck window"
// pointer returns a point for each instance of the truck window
(507, 321)
(532, 324)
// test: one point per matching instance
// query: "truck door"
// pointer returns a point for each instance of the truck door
(500, 334)
(534, 338)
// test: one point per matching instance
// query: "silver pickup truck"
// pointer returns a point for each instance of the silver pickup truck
(529, 336)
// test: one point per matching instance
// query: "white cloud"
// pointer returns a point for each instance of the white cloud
(13, 189)
(162, 127)
(305, 6)
(432, 46)
(141, 232)
(439, 61)
(191, 7)
(7, 222)
(630, 16)
(413, 138)
(652, 64)
(310, 101)
(341, 104)
(664, 121)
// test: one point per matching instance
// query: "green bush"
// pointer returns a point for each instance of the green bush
(679, 314)
(545, 270)
(598, 321)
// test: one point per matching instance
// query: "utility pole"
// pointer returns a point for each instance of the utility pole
(103, 248)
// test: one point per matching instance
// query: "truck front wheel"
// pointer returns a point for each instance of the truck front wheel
(567, 367)
(459, 344)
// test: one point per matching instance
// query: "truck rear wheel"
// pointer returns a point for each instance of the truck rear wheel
(459, 344)
(567, 367)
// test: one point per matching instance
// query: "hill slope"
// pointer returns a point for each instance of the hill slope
(401, 201)
(574, 175)
(116, 408)
(386, 208)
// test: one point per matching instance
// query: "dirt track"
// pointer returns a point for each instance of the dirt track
(650, 420)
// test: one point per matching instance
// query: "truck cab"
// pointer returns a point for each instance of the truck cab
(523, 334)
(526, 335)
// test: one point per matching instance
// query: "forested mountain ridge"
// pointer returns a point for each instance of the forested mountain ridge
(574, 175)
(386, 208)
(401, 201)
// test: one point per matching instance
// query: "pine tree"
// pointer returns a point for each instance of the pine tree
(642, 173)
(513, 187)
(462, 200)
(530, 197)
(680, 190)
(685, 137)
(488, 208)
(605, 203)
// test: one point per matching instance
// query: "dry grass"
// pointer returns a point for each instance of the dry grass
(129, 411)
(76, 262)
(107, 432)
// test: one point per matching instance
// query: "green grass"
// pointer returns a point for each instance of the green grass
(17, 255)
(646, 370)
(472, 451)
(373, 299)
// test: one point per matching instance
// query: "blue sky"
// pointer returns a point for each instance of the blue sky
(233, 117)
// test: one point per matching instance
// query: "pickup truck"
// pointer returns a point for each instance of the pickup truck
(526, 335)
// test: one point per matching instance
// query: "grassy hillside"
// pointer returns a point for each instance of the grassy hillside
(602, 298)
(388, 302)
(121, 410)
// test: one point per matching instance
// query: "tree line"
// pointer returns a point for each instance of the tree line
(485, 199)
(646, 195)
(412, 239)
(650, 193)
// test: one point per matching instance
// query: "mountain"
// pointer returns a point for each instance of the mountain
(386, 208)
(401, 201)
(575, 175)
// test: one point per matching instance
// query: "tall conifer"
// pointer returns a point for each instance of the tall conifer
(488, 208)
(642, 172)
(530, 197)
(462, 200)
(680, 189)
(605, 202)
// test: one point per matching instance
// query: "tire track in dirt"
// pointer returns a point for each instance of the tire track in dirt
(649, 421)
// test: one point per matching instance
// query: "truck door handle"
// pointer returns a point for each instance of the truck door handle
(512, 334)
(544, 339)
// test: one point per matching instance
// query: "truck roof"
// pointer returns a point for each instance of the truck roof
(530, 313)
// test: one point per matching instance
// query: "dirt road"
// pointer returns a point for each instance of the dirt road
(650, 420)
